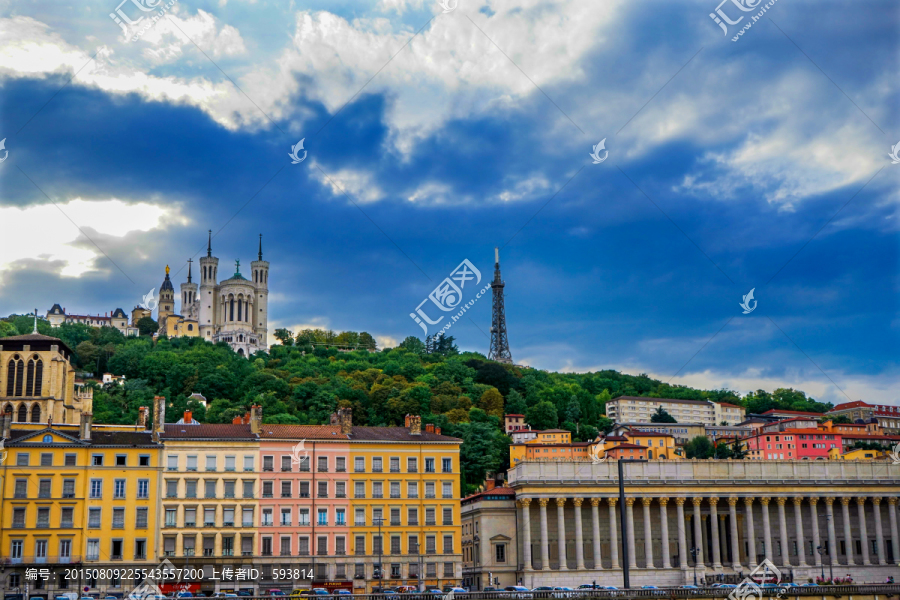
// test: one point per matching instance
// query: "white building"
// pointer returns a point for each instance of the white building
(640, 409)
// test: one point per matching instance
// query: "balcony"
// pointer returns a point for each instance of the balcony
(227, 552)
(248, 496)
(209, 524)
(377, 470)
(395, 469)
(340, 495)
(171, 524)
(210, 469)
(412, 470)
(228, 524)
(115, 557)
(190, 523)
(191, 469)
(413, 522)
(285, 553)
(265, 495)
(247, 553)
(395, 522)
(430, 495)
(169, 553)
(66, 524)
(323, 469)
(266, 523)
(189, 495)
(448, 521)
(269, 469)
(287, 495)
(340, 553)
(431, 522)
(229, 494)
(340, 469)
(209, 552)
(229, 469)
(303, 495)
(266, 553)
(359, 552)
(395, 495)
(323, 495)
(188, 551)
(171, 468)
(321, 552)
(377, 495)
(285, 469)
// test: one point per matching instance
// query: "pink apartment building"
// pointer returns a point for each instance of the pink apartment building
(304, 506)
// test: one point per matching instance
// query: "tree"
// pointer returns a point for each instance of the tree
(413, 344)
(542, 415)
(87, 354)
(285, 336)
(662, 416)
(515, 403)
(7, 329)
(839, 420)
(491, 402)
(147, 326)
(699, 447)
(573, 411)
(367, 341)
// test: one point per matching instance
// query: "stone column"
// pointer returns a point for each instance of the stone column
(648, 536)
(735, 547)
(863, 532)
(629, 514)
(892, 515)
(798, 527)
(767, 529)
(698, 532)
(814, 512)
(579, 535)
(714, 532)
(664, 533)
(595, 530)
(782, 526)
(832, 538)
(545, 538)
(682, 537)
(879, 534)
(525, 503)
(561, 533)
(723, 537)
(613, 536)
(751, 532)
(848, 533)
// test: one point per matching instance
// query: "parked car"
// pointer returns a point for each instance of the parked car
(563, 592)
(520, 591)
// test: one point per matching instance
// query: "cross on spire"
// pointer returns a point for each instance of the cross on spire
(190, 260)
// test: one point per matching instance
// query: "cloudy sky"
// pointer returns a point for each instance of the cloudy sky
(432, 137)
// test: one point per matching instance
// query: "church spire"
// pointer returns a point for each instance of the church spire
(260, 246)
(209, 245)
(190, 260)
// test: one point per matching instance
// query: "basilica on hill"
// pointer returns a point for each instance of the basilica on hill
(234, 310)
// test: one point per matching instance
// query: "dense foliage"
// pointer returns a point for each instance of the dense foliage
(312, 373)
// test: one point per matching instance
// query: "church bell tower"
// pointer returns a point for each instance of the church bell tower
(260, 322)
(209, 267)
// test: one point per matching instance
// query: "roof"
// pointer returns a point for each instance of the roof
(729, 405)
(854, 404)
(513, 415)
(98, 438)
(554, 431)
(647, 398)
(615, 438)
(808, 430)
(397, 434)
(32, 338)
(497, 491)
(799, 413)
(863, 436)
(167, 283)
(119, 314)
(209, 431)
(309, 432)
(56, 309)
(648, 434)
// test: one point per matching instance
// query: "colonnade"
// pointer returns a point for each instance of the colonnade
(704, 535)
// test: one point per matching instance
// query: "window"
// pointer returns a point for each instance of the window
(395, 464)
(377, 489)
(229, 463)
(340, 516)
(210, 463)
(209, 517)
(376, 544)
(94, 518)
(229, 489)
(448, 516)
(97, 460)
(96, 488)
(172, 462)
(376, 464)
(171, 518)
(448, 569)
(118, 518)
(285, 516)
(447, 489)
(171, 488)
(268, 463)
(228, 517)
(119, 488)
(44, 488)
(190, 517)
(144, 460)
(286, 463)
(359, 489)
(413, 544)
(248, 462)
(429, 517)
(192, 462)
(340, 464)
(21, 488)
(66, 517)
(47, 457)
(322, 492)
(359, 464)
(267, 546)
(209, 488)
(500, 553)
(446, 465)
(360, 544)
(448, 544)
(430, 544)
(322, 545)
(304, 489)
(43, 518)
(412, 465)
(93, 549)
(395, 489)
(303, 517)
(286, 489)
(248, 489)
(267, 489)
(322, 465)
(429, 465)
(70, 460)
(359, 517)
(395, 544)
(247, 516)
(140, 549)
(304, 464)
(322, 516)
(143, 488)
(140, 520)
(115, 550)
(266, 517)
(429, 489)
(340, 489)
(412, 489)
(412, 516)
(286, 546)
(121, 460)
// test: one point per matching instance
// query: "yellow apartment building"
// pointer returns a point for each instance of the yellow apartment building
(404, 509)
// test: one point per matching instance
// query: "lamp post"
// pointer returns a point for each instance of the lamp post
(623, 521)
(694, 552)
(378, 521)
(821, 551)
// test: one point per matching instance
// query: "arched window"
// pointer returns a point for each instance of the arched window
(240, 351)
(22, 416)
(11, 376)
(190, 327)
(240, 306)
(8, 410)
(650, 454)
(48, 439)
(241, 338)
(36, 413)
(38, 376)
(20, 377)
(231, 317)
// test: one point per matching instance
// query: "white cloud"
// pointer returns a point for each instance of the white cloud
(61, 242)
(167, 39)
(360, 185)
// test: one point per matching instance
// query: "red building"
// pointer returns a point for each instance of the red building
(814, 444)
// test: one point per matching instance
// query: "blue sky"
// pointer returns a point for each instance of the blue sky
(433, 137)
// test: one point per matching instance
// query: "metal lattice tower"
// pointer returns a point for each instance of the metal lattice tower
(499, 343)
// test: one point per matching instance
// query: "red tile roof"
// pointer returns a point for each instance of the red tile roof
(854, 404)
(300, 432)
(208, 431)
(792, 412)
(729, 405)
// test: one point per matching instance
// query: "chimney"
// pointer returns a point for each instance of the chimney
(414, 423)
(437, 430)
(489, 483)
(87, 420)
(345, 419)
(188, 417)
(429, 428)
(255, 418)
(237, 421)
(159, 416)
(406, 421)
(142, 417)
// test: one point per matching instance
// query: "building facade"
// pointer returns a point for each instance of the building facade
(734, 513)
(489, 553)
(887, 416)
(640, 409)
(57, 316)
